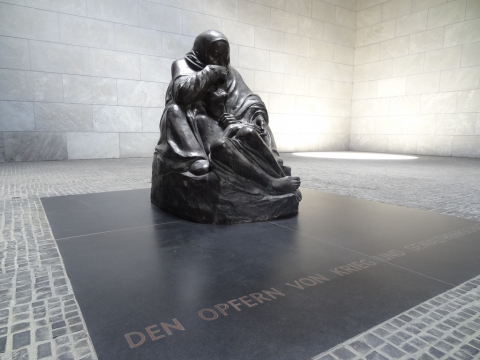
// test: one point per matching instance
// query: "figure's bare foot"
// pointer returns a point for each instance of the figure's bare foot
(285, 185)
(200, 167)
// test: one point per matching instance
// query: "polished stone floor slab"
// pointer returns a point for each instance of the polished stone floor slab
(127, 281)
(74, 215)
(376, 229)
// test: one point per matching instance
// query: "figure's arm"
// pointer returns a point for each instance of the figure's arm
(188, 89)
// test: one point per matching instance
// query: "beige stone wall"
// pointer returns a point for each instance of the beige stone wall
(82, 79)
(417, 77)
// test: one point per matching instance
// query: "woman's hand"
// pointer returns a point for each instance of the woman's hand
(226, 119)
(220, 71)
(260, 125)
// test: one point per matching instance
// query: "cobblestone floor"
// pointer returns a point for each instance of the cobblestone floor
(445, 327)
(39, 316)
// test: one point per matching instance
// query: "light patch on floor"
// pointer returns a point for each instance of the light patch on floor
(355, 155)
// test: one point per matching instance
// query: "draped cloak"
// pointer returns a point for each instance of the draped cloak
(180, 143)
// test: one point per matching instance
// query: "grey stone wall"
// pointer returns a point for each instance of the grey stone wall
(83, 79)
(417, 77)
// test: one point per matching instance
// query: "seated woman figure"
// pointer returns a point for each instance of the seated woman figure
(216, 150)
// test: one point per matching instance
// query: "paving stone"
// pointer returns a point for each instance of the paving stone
(62, 340)
(375, 356)
(469, 350)
(92, 357)
(420, 325)
(67, 356)
(462, 355)
(82, 351)
(326, 357)
(412, 330)
(44, 350)
(81, 343)
(19, 327)
(396, 340)
(63, 349)
(59, 332)
(425, 357)
(475, 343)
(3, 343)
(405, 318)
(42, 322)
(428, 338)
(443, 346)
(381, 332)
(76, 328)
(409, 348)
(436, 353)
(421, 309)
(372, 340)
(451, 323)
(397, 322)
(74, 321)
(435, 332)
(58, 324)
(21, 354)
(403, 335)
(473, 325)
(71, 314)
(344, 353)
(466, 330)
(392, 351)
(21, 339)
(443, 327)
(360, 347)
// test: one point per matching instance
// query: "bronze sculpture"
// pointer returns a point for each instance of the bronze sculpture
(216, 160)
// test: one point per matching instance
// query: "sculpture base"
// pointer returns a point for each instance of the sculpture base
(207, 199)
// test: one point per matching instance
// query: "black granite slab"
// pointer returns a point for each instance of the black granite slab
(128, 280)
(75, 215)
(374, 229)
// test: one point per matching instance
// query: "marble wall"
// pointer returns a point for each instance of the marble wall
(87, 78)
(417, 77)
(83, 79)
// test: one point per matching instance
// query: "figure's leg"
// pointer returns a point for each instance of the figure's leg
(252, 138)
(223, 151)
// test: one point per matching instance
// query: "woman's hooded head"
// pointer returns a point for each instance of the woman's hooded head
(210, 48)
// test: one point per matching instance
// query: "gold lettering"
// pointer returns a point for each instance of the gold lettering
(177, 326)
(312, 282)
(222, 309)
(319, 278)
(131, 343)
(231, 302)
(246, 302)
(347, 269)
(152, 333)
(298, 286)
(369, 263)
(215, 315)
(338, 272)
(275, 291)
(258, 296)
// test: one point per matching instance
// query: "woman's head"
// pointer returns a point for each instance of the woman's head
(210, 48)
(218, 53)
